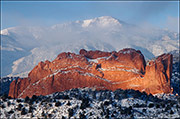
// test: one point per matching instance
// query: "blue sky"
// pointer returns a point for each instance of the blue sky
(157, 14)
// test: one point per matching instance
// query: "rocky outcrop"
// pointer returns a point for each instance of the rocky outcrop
(158, 74)
(125, 69)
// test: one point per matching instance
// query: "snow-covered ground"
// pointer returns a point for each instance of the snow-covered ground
(88, 103)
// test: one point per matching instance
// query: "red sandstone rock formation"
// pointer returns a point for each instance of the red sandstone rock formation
(125, 69)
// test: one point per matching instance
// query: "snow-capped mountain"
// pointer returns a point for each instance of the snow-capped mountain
(23, 47)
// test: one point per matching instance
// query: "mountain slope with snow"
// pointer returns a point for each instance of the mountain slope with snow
(23, 47)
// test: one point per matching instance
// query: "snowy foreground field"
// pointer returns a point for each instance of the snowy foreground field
(88, 103)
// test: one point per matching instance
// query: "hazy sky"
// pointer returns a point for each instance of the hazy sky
(157, 14)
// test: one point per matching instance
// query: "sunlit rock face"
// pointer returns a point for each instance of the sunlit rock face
(126, 69)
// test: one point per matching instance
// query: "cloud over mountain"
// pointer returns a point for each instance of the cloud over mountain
(23, 47)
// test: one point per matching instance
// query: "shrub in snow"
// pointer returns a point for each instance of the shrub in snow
(73, 94)
(102, 113)
(9, 97)
(102, 107)
(41, 97)
(6, 113)
(37, 101)
(48, 99)
(90, 114)
(150, 96)
(117, 96)
(142, 105)
(44, 101)
(59, 96)
(80, 97)
(107, 112)
(19, 107)
(136, 105)
(65, 97)
(31, 102)
(4, 97)
(168, 107)
(178, 99)
(50, 115)
(8, 103)
(24, 111)
(107, 94)
(151, 105)
(69, 104)
(106, 103)
(119, 91)
(144, 110)
(155, 99)
(136, 94)
(128, 111)
(53, 100)
(71, 112)
(54, 111)
(162, 104)
(85, 103)
(172, 103)
(112, 102)
(113, 115)
(31, 109)
(123, 111)
(11, 111)
(177, 107)
(27, 99)
(57, 104)
(107, 116)
(50, 105)
(19, 100)
(63, 117)
(34, 97)
(3, 106)
(82, 116)
(157, 106)
(171, 112)
(44, 114)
